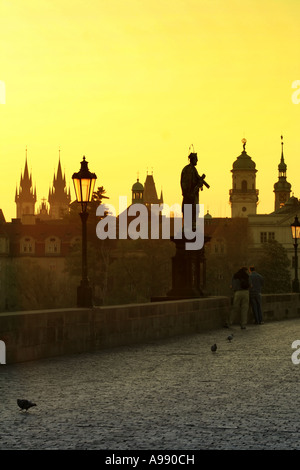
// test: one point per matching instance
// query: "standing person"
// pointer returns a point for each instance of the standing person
(256, 284)
(240, 285)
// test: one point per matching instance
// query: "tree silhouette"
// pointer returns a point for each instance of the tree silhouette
(227, 251)
(141, 269)
(33, 287)
(99, 195)
(273, 264)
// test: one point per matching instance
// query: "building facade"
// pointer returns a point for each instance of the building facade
(45, 236)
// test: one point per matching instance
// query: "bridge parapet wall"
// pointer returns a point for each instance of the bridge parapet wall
(47, 333)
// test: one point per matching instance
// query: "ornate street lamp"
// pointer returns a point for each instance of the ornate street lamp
(295, 226)
(84, 183)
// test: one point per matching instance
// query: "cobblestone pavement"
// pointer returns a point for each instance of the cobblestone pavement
(174, 394)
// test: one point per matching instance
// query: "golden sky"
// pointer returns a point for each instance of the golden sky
(132, 84)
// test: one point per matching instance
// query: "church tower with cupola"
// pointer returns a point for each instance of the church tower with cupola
(243, 196)
(59, 198)
(25, 199)
(137, 193)
(146, 194)
(282, 189)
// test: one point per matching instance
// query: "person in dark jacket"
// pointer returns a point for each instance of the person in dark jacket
(256, 284)
(240, 285)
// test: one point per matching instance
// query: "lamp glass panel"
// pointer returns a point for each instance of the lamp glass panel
(93, 181)
(295, 230)
(85, 189)
(76, 182)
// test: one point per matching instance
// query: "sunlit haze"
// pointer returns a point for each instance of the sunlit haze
(133, 84)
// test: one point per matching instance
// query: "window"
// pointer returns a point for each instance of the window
(52, 245)
(271, 236)
(244, 186)
(263, 237)
(27, 245)
(266, 236)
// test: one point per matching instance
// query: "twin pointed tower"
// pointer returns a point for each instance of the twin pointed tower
(59, 198)
(26, 198)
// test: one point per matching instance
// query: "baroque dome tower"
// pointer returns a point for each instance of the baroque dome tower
(243, 196)
(137, 192)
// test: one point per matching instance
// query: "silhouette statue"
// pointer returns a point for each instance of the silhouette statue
(188, 266)
(191, 182)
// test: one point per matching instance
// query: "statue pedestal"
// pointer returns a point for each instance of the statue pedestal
(188, 272)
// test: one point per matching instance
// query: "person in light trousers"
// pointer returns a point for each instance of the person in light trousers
(240, 285)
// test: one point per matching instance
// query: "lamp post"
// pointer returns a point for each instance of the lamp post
(84, 182)
(295, 226)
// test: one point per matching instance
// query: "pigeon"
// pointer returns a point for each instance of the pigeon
(214, 348)
(230, 337)
(25, 404)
